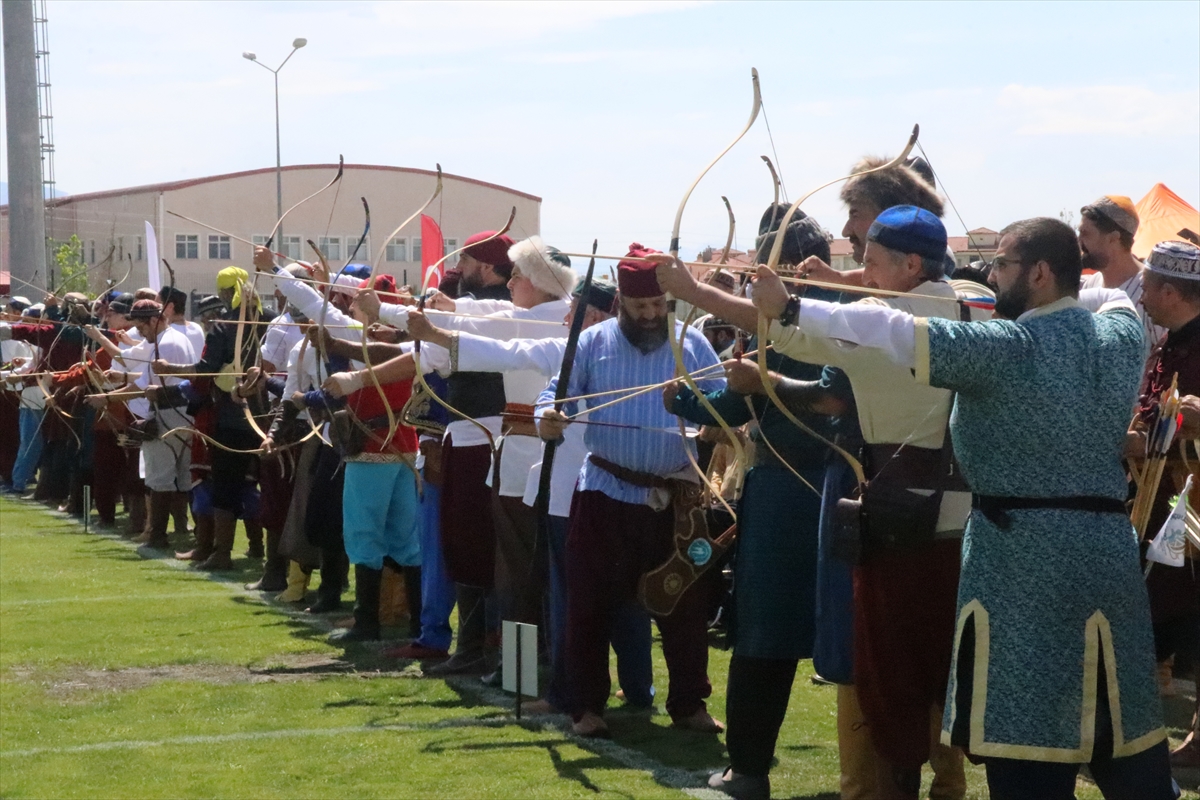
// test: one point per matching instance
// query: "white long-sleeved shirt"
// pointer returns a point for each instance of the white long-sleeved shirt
(281, 336)
(312, 305)
(544, 356)
(174, 348)
(30, 396)
(545, 320)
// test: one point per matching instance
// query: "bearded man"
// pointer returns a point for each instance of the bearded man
(621, 520)
(1053, 651)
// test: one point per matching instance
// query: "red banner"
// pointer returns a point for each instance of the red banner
(432, 250)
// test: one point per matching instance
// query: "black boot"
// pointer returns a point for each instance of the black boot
(412, 585)
(274, 577)
(366, 607)
(334, 569)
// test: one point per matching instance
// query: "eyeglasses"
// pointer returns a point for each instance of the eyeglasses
(1003, 263)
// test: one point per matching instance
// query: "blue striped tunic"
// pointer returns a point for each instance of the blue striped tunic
(606, 361)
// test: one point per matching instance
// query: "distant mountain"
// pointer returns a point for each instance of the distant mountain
(4, 193)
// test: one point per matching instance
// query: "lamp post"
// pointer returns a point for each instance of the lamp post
(296, 45)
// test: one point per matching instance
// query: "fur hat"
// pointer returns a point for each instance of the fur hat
(547, 268)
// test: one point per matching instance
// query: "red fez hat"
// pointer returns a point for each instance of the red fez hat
(489, 248)
(384, 286)
(638, 278)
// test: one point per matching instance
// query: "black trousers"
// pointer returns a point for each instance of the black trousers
(756, 702)
(1144, 776)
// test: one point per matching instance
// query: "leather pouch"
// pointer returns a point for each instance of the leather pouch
(894, 518)
(347, 437)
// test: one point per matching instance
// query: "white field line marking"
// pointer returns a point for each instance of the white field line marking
(108, 599)
(691, 782)
(250, 736)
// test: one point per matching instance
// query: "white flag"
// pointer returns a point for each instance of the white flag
(155, 280)
(1169, 545)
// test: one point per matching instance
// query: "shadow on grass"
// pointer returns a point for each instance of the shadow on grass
(574, 770)
(670, 747)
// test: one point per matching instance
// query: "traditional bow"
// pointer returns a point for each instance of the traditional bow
(564, 378)
(677, 344)
(420, 377)
(391, 417)
(764, 324)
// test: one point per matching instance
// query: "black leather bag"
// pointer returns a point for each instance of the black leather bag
(896, 519)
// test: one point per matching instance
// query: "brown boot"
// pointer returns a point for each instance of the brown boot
(159, 515)
(224, 529)
(393, 598)
(894, 782)
(204, 540)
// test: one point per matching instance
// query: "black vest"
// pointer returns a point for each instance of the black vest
(479, 394)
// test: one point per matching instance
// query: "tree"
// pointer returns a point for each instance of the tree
(70, 267)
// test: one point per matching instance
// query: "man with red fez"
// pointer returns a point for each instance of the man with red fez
(540, 280)
(1106, 230)
(485, 266)
(622, 522)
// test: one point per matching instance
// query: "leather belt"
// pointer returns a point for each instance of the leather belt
(518, 420)
(642, 479)
(995, 508)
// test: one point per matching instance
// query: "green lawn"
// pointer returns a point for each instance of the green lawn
(124, 677)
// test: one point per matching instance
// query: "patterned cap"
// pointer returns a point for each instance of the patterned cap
(1175, 260)
(1119, 209)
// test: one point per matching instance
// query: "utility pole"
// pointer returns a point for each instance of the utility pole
(26, 201)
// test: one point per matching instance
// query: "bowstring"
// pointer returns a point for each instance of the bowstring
(778, 165)
(950, 200)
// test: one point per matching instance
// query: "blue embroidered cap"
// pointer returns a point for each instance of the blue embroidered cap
(909, 229)
(1175, 260)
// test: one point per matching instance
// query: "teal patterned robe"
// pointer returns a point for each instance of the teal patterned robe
(1042, 409)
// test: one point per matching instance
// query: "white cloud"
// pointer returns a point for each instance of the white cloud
(1099, 110)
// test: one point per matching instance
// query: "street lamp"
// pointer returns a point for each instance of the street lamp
(296, 45)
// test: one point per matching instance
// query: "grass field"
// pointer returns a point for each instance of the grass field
(126, 677)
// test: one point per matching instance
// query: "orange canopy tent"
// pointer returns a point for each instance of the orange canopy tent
(1162, 214)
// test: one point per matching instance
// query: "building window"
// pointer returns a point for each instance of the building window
(218, 247)
(120, 248)
(140, 252)
(364, 251)
(416, 254)
(289, 246)
(187, 245)
(397, 249)
(91, 251)
(449, 246)
(330, 247)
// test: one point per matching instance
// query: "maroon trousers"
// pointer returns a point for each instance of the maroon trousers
(610, 545)
(10, 433)
(276, 477)
(108, 473)
(468, 535)
(904, 604)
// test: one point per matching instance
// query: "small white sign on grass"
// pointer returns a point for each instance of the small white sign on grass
(527, 657)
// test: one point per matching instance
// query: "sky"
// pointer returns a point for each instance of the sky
(609, 111)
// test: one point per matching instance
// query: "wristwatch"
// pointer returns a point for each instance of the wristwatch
(791, 312)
